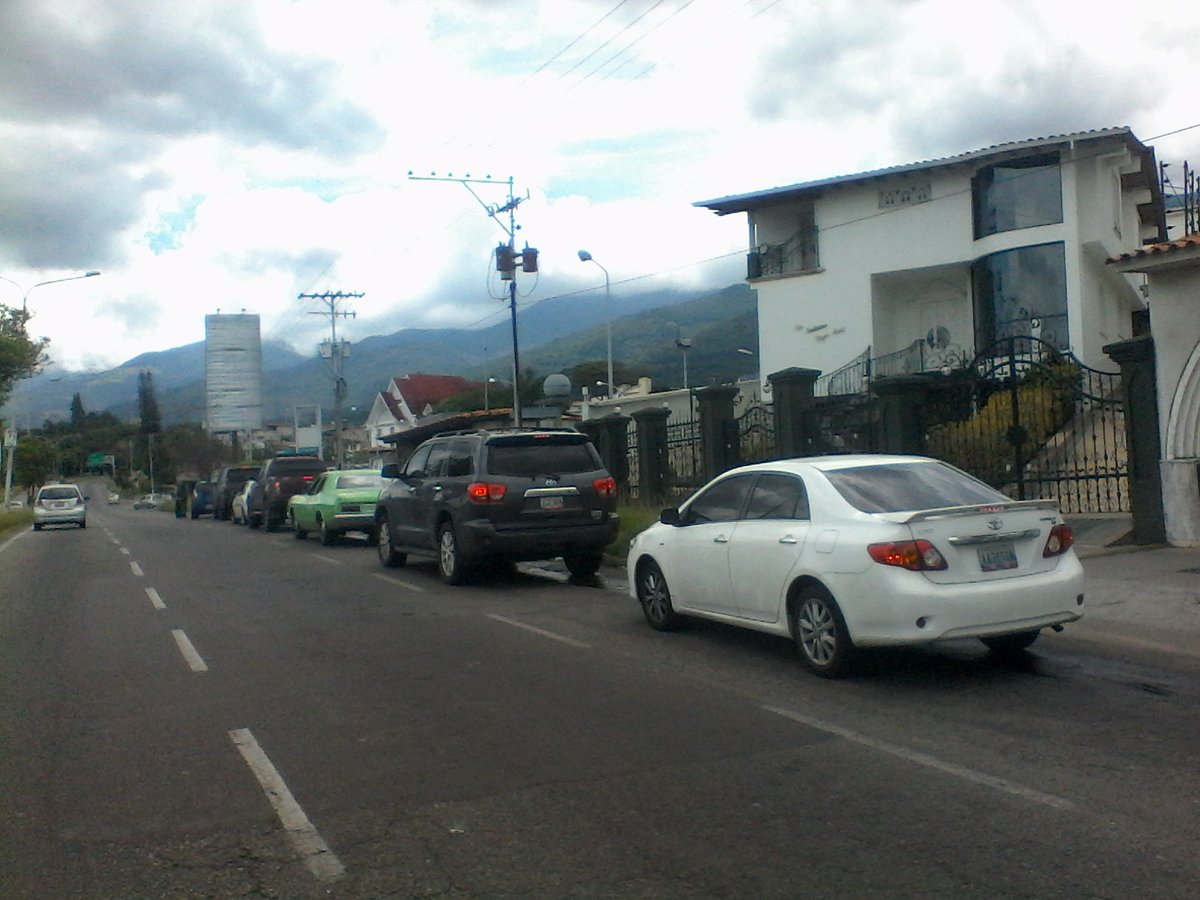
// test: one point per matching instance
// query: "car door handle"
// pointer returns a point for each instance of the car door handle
(788, 539)
(721, 539)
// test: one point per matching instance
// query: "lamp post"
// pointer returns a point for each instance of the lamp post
(11, 442)
(486, 402)
(26, 293)
(584, 256)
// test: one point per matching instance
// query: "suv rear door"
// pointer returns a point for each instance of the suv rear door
(550, 478)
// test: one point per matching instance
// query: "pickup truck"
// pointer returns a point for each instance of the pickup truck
(279, 479)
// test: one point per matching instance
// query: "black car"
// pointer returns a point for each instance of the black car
(474, 496)
(227, 483)
(279, 478)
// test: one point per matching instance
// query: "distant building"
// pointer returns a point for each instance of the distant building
(232, 373)
(408, 401)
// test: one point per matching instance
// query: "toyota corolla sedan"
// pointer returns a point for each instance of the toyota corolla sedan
(847, 552)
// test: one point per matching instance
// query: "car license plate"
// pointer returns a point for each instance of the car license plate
(552, 502)
(997, 558)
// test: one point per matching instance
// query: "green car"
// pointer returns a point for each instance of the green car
(339, 500)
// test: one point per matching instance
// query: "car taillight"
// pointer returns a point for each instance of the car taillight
(483, 492)
(918, 556)
(605, 487)
(1060, 540)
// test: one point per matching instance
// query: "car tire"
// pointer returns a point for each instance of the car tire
(83, 524)
(821, 634)
(388, 555)
(270, 521)
(37, 527)
(1011, 644)
(253, 521)
(299, 532)
(328, 535)
(655, 597)
(451, 566)
(583, 563)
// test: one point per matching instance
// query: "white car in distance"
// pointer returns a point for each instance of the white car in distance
(846, 552)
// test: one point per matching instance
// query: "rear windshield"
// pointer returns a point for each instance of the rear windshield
(60, 493)
(904, 487)
(284, 466)
(237, 476)
(530, 457)
(366, 480)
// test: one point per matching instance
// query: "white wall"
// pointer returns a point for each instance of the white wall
(858, 240)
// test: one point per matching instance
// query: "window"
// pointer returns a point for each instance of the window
(722, 502)
(461, 461)
(1021, 292)
(1020, 193)
(416, 462)
(904, 487)
(778, 497)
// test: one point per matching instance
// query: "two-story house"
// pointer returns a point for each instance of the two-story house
(922, 266)
(409, 399)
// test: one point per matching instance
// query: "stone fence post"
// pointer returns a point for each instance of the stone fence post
(719, 449)
(1138, 375)
(903, 399)
(653, 465)
(610, 434)
(793, 398)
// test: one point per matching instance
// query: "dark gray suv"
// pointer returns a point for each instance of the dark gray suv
(474, 496)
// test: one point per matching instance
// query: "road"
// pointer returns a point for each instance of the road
(194, 709)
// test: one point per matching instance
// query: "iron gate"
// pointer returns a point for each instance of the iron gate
(1033, 421)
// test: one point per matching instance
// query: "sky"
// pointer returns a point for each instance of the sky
(231, 155)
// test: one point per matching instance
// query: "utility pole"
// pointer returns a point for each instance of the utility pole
(507, 259)
(335, 351)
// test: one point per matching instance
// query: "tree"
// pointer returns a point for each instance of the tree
(189, 450)
(77, 411)
(20, 357)
(148, 403)
(34, 461)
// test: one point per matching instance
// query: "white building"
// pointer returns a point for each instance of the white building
(923, 265)
(1172, 272)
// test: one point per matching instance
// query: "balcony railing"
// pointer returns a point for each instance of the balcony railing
(795, 255)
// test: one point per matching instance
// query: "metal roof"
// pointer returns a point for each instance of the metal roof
(745, 202)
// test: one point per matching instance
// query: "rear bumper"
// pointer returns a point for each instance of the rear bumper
(913, 610)
(59, 516)
(481, 538)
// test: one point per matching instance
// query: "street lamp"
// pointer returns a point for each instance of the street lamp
(26, 293)
(584, 256)
(486, 403)
(11, 443)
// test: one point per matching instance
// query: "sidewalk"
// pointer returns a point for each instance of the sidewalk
(1141, 596)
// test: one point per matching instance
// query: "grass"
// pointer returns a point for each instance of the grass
(634, 518)
(15, 519)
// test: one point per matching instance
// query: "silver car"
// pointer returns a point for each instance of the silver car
(59, 504)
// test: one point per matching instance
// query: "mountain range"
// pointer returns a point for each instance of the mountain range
(649, 332)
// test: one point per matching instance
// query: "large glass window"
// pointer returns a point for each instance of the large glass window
(1020, 193)
(1021, 292)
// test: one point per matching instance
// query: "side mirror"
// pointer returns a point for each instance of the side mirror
(391, 470)
(669, 516)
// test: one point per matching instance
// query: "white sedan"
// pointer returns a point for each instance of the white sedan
(843, 552)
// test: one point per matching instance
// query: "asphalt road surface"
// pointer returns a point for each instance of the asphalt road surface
(195, 709)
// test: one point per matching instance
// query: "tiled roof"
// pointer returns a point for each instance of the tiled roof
(421, 390)
(744, 202)
(1161, 249)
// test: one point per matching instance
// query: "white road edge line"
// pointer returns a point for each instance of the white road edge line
(404, 584)
(136, 569)
(305, 838)
(541, 631)
(15, 537)
(155, 600)
(923, 759)
(195, 663)
(328, 559)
